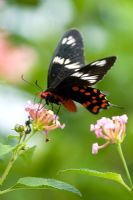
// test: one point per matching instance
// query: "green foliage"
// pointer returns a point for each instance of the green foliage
(43, 183)
(11, 137)
(28, 154)
(105, 175)
(5, 149)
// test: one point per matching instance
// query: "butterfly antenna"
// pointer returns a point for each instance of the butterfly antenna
(35, 85)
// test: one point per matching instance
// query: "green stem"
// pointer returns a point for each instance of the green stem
(5, 191)
(124, 164)
(14, 157)
(8, 168)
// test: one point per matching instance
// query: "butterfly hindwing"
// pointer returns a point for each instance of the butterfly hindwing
(68, 58)
(91, 98)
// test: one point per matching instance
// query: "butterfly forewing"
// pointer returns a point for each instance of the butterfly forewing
(94, 71)
(67, 59)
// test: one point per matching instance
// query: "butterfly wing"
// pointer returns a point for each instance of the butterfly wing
(68, 58)
(94, 72)
(77, 86)
(91, 98)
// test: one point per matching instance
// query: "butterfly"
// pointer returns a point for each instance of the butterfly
(70, 79)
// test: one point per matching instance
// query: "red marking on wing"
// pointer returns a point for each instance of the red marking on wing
(104, 101)
(86, 104)
(104, 105)
(82, 90)
(94, 101)
(70, 105)
(101, 95)
(95, 109)
(95, 90)
(87, 93)
(75, 88)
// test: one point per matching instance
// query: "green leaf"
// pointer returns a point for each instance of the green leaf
(28, 154)
(4, 149)
(105, 175)
(13, 137)
(43, 183)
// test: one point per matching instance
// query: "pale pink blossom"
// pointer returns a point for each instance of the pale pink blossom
(95, 148)
(42, 119)
(15, 60)
(111, 130)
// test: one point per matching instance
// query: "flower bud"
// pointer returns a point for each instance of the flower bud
(19, 128)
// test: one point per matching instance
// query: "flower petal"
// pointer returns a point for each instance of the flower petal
(95, 148)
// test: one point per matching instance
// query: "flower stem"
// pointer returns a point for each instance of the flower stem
(8, 168)
(124, 164)
(15, 154)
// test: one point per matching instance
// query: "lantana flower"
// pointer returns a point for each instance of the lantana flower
(111, 130)
(42, 119)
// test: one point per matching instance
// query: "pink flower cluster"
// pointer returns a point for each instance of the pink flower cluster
(111, 130)
(14, 60)
(43, 119)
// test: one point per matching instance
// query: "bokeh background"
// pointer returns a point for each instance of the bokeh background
(29, 33)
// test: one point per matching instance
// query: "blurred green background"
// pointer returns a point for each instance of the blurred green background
(29, 33)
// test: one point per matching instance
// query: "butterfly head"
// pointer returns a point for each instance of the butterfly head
(45, 95)
(50, 97)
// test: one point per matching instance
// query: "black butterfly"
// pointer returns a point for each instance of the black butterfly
(69, 78)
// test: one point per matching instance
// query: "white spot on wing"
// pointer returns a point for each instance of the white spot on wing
(69, 41)
(58, 60)
(64, 40)
(85, 75)
(73, 66)
(91, 81)
(100, 63)
(89, 78)
(77, 74)
(67, 61)
(76, 70)
(73, 44)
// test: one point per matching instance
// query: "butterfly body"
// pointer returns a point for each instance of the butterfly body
(50, 97)
(69, 79)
